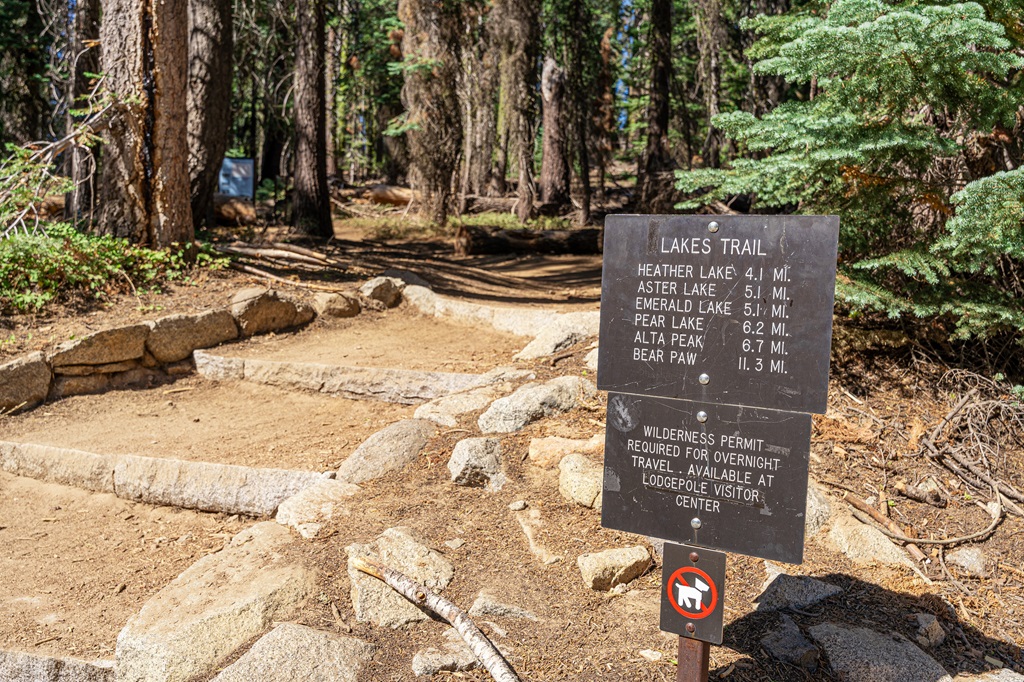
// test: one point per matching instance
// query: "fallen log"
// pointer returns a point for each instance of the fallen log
(392, 195)
(473, 239)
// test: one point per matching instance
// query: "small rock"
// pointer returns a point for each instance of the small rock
(971, 560)
(16, 666)
(658, 546)
(24, 382)
(409, 278)
(518, 505)
(311, 508)
(650, 655)
(819, 510)
(455, 544)
(389, 449)
(486, 604)
(103, 347)
(794, 591)
(564, 331)
(591, 360)
(258, 311)
(548, 451)
(455, 657)
(604, 570)
(787, 644)
(174, 337)
(65, 387)
(387, 290)
(866, 545)
(401, 549)
(929, 630)
(336, 305)
(218, 367)
(580, 480)
(296, 652)
(534, 401)
(477, 462)
(447, 410)
(862, 655)
(532, 525)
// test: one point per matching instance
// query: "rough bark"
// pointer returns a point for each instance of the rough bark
(657, 158)
(145, 158)
(554, 169)
(210, 68)
(710, 39)
(430, 96)
(521, 38)
(581, 109)
(333, 57)
(311, 208)
(480, 80)
(82, 164)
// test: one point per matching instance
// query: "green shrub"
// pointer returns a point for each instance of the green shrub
(66, 265)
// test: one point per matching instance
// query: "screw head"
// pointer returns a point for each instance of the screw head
(702, 416)
(691, 628)
(695, 523)
(704, 379)
(713, 226)
(694, 557)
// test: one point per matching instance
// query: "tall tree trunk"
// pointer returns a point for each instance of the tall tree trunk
(580, 107)
(311, 208)
(710, 40)
(145, 158)
(82, 164)
(499, 169)
(432, 35)
(522, 26)
(554, 169)
(657, 157)
(331, 97)
(211, 50)
(481, 74)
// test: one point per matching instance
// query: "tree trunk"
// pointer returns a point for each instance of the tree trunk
(710, 39)
(554, 169)
(581, 108)
(82, 163)
(211, 49)
(657, 157)
(311, 208)
(331, 98)
(145, 158)
(522, 35)
(432, 35)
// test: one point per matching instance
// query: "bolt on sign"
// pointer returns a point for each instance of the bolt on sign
(715, 341)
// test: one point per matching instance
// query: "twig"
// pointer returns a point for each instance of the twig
(950, 541)
(860, 504)
(945, 570)
(555, 359)
(419, 595)
(937, 431)
(250, 270)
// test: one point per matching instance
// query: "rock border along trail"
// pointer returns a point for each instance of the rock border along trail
(265, 606)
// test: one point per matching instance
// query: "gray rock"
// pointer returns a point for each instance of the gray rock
(407, 277)
(1003, 675)
(219, 368)
(206, 486)
(534, 401)
(970, 560)
(929, 630)
(293, 652)
(477, 462)
(336, 305)
(518, 321)
(590, 361)
(24, 382)
(794, 591)
(487, 605)
(103, 347)
(819, 510)
(580, 480)
(384, 289)
(861, 655)
(174, 337)
(86, 370)
(400, 549)
(16, 666)
(456, 656)
(865, 545)
(657, 547)
(59, 465)
(533, 524)
(548, 451)
(787, 644)
(518, 505)
(218, 604)
(389, 449)
(65, 387)
(258, 311)
(446, 410)
(311, 508)
(604, 570)
(566, 330)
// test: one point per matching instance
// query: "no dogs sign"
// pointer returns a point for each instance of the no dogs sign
(693, 592)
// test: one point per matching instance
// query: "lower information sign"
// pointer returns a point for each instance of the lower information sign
(721, 476)
(693, 592)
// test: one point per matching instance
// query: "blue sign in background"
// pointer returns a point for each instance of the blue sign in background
(237, 178)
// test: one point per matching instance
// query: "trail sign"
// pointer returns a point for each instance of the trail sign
(722, 476)
(693, 592)
(731, 310)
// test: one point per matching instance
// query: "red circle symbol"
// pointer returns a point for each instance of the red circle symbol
(688, 588)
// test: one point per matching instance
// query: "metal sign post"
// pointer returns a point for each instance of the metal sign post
(715, 342)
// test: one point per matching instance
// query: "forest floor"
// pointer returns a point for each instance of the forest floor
(74, 565)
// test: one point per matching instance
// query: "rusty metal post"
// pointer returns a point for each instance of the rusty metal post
(694, 657)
